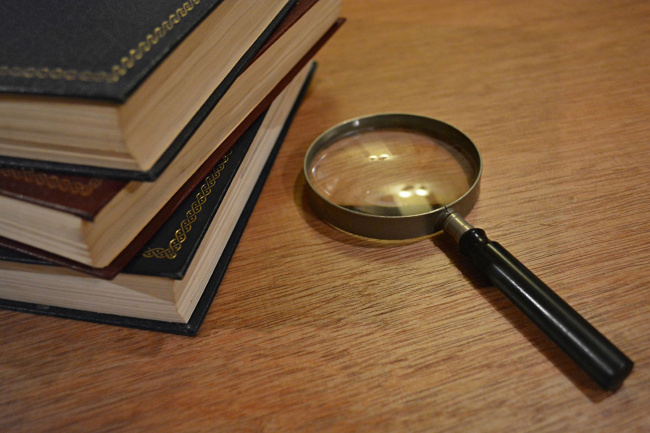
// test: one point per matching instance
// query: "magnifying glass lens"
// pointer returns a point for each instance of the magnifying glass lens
(390, 172)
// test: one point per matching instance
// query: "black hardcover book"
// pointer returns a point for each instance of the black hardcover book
(129, 81)
(172, 250)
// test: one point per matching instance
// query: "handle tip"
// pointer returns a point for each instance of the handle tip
(617, 376)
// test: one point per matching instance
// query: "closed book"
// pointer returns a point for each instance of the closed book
(172, 281)
(115, 88)
(118, 228)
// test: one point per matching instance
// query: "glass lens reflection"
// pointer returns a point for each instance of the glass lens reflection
(390, 172)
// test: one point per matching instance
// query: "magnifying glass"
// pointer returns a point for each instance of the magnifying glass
(403, 176)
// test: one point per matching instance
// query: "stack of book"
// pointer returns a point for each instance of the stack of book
(135, 138)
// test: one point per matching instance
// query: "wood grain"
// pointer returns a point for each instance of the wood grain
(313, 330)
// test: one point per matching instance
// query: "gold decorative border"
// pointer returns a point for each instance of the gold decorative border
(51, 181)
(117, 71)
(180, 236)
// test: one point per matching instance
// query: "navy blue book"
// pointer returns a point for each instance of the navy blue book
(114, 88)
(170, 284)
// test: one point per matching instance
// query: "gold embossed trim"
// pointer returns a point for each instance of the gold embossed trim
(54, 182)
(180, 236)
(117, 71)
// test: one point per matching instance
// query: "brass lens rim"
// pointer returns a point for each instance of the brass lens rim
(393, 227)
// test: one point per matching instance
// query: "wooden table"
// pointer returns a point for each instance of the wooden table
(313, 330)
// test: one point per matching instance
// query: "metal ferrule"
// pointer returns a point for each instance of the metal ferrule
(455, 225)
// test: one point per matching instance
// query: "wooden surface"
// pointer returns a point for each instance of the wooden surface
(313, 330)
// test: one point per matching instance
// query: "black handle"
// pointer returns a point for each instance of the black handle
(594, 353)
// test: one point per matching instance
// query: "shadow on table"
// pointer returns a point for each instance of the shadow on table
(519, 321)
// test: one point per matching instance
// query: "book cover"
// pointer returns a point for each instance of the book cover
(212, 202)
(69, 49)
(108, 271)
(104, 53)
